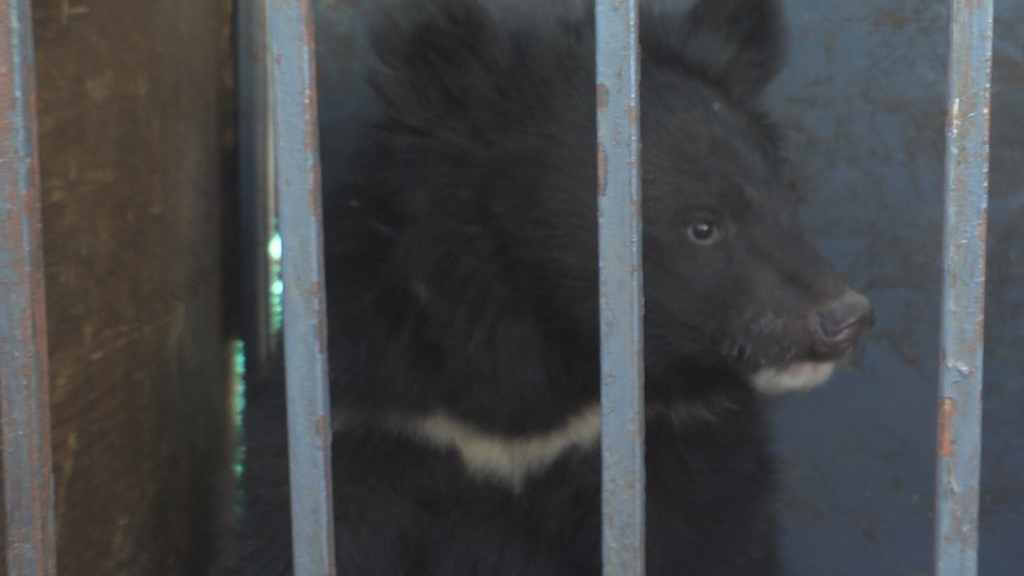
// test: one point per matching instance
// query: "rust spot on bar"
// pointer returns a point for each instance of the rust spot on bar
(312, 141)
(982, 229)
(321, 428)
(946, 411)
(602, 170)
(631, 114)
(602, 97)
(316, 291)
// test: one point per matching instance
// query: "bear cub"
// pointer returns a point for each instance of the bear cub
(462, 291)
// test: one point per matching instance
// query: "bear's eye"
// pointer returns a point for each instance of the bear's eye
(704, 232)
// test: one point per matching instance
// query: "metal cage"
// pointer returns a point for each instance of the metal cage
(280, 150)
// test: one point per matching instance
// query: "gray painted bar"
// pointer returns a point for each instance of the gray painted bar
(621, 287)
(958, 475)
(296, 172)
(24, 384)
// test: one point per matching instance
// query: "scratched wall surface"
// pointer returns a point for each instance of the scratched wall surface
(130, 98)
(863, 103)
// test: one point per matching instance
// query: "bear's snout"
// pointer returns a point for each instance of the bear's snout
(837, 325)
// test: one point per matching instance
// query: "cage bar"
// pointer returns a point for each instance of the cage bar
(958, 474)
(296, 169)
(621, 287)
(24, 383)
(257, 206)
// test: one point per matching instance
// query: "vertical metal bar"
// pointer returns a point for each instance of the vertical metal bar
(24, 383)
(621, 286)
(963, 288)
(257, 210)
(297, 176)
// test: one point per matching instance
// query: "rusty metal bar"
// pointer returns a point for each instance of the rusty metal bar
(296, 170)
(24, 383)
(963, 287)
(621, 287)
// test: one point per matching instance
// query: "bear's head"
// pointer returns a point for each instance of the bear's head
(472, 208)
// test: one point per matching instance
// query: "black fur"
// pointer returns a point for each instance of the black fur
(461, 254)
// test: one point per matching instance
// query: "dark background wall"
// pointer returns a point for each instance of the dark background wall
(132, 110)
(863, 101)
(863, 104)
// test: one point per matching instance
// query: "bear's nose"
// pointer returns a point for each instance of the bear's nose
(839, 323)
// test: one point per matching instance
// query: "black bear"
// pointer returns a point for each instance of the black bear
(462, 286)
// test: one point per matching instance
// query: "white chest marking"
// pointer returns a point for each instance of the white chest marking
(511, 460)
(508, 460)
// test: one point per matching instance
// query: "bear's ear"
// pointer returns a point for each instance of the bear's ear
(736, 45)
(437, 61)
